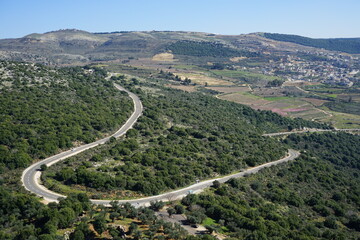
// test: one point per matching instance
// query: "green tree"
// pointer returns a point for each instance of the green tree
(171, 211)
(43, 167)
(99, 224)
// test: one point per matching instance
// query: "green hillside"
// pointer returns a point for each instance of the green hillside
(43, 110)
(315, 197)
(348, 45)
(206, 49)
(181, 137)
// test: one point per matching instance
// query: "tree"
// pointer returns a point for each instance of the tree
(275, 83)
(113, 216)
(211, 228)
(330, 222)
(137, 234)
(46, 237)
(133, 226)
(157, 205)
(99, 224)
(179, 209)
(216, 184)
(189, 199)
(77, 235)
(171, 211)
(43, 167)
(66, 217)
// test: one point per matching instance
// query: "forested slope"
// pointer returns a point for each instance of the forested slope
(43, 110)
(315, 197)
(206, 49)
(348, 45)
(180, 138)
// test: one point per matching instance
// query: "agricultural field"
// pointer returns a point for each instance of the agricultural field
(285, 106)
(203, 79)
(245, 76)
(230, 89)
(245, 98)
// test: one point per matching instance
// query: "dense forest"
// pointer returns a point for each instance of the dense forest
(206, 49)
(43, 110)
(180, 138)
(348, 45)
(315, 197)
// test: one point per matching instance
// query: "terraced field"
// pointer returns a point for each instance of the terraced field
(286, 106)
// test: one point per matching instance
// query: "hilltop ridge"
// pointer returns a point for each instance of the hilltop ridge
(73, 46)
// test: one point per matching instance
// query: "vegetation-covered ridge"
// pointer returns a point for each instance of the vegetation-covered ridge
(180, 138)
(315, 197)
(43, 110)
(206, 49)
(348, 45)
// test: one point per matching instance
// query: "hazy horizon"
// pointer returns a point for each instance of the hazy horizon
(315, 19)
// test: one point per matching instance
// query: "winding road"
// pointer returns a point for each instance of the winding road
(312, 130)
(31, 175)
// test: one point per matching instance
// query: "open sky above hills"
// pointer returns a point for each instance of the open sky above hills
(317, 19)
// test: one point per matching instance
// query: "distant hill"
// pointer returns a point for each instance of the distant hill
(348, 45)
(72, 46)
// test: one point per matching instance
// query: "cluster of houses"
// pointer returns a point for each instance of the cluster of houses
(324, 67)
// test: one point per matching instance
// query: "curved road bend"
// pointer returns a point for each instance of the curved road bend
(31, 175)
(198, 187)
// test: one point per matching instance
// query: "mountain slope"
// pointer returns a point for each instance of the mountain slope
(43, 110)
(79, 47)
(348, 45)
(314, 197)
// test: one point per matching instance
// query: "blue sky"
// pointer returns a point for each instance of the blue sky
(312, 18)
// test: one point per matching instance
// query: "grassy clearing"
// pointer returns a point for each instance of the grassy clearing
(124, 222)
(331, 95)
(209, 221)
(56, 186)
